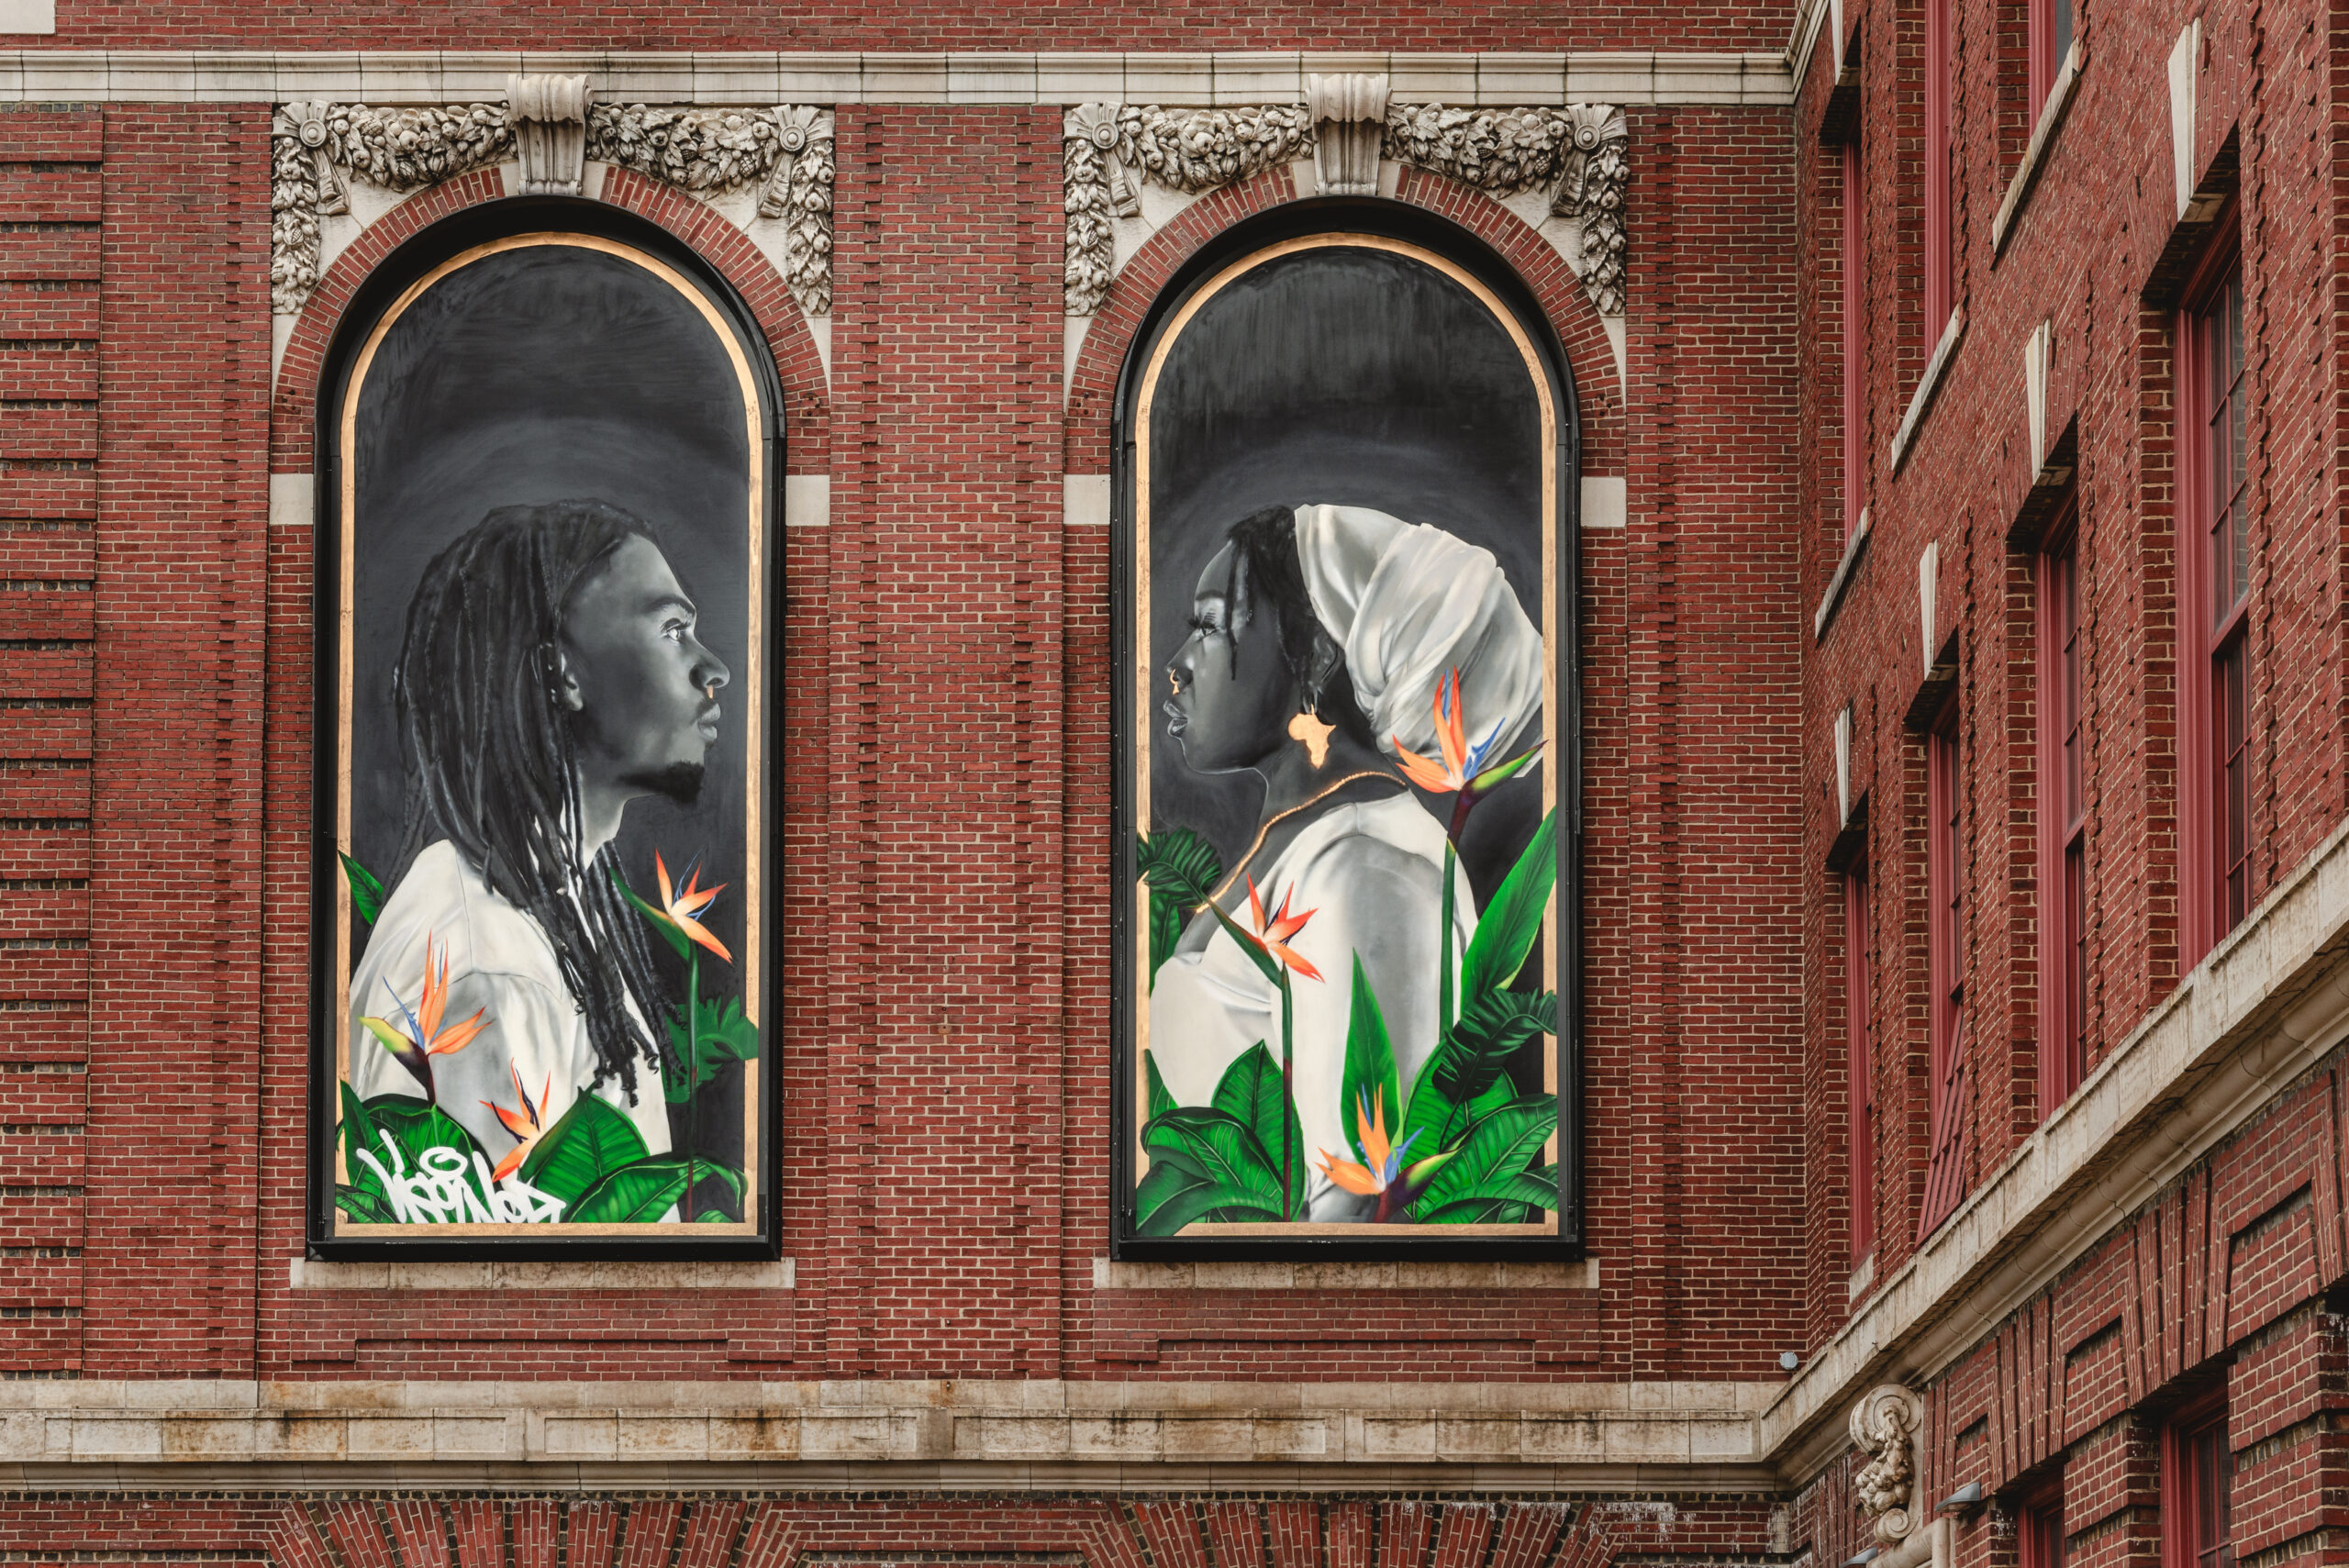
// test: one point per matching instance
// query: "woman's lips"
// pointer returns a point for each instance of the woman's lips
(708, 725)
(1176, 719)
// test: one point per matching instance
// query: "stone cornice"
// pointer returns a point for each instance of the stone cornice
(1759, 79)
(987, 1434)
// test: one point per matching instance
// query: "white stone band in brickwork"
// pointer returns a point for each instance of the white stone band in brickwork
(437, 76)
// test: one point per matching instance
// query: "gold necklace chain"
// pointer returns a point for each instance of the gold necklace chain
(1225, 885)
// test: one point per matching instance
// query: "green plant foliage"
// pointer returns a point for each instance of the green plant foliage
(587, 1142)
(358, 1132)
(1172, 1195)
(638, 1192)
(1506, 930)
(364, 1204)
(415, 1126)
(1491, 1161)
(1368, 1079)
(1182, 870)
(713, 1216)
(366, 893)
(1160, 1101)
(1252, 1093)
(726, 1035)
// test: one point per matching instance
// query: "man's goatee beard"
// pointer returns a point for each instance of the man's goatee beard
(681, 782)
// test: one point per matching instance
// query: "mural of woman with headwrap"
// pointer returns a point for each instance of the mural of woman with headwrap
(1324, 642)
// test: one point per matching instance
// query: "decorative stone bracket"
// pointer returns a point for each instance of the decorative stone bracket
(1884, 1427)
(1580, 154)
(318, 148)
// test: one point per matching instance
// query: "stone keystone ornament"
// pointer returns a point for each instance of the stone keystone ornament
(550, 116)
(1884, 1427)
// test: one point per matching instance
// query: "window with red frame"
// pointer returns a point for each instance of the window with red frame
(1945, 973)
(2214, 533)
(1855, 262)
(2062, 741)
(1859, 1062)
(2039, 1532)
(1939, 278)
(2197, 1524)
(2051, 41)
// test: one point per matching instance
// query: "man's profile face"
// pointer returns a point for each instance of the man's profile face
(644, 689)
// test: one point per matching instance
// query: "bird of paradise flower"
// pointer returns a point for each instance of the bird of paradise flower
(1267, 947)
(678, 920)
(416, 1037)
(1467, 774)
(527, 1125)
(1382, 1173)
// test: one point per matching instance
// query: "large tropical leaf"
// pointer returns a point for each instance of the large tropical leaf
(1172, 1195)
(1367, 1086)
(1181, 870)
(1161, 1100)
(1251, 1092)
(1500, 1145)
(1497, 1199)
(726, 1035)
(1222, 1148)
(587, 1142)
(416, 1127)
(366, 893)
(366, 1205)
(1506, 930)
(635, 1193)
(358, 1132)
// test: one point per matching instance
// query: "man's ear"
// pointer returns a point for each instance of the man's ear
(566, 684)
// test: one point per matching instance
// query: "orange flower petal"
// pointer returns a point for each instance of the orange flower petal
(1350, 1176)
(505, 1167)
(695, 930)
(1288, 955)
(436, 992)
(1371, 1122)
(456, 1036)
(1421, 772)
(661, 870)
(515, 1122)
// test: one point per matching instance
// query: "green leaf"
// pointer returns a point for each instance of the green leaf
(1251, 1092)
(713, 1216)
(587, 1142)
(1161, 1100)
(668, 930)
(1222, 1148)
(1466, 1076)
(1179, 863)
(635, 1193)
(726, 1036)
(1482, 1211)
(1504, 931)
(358, 1132)
(1367, 1087)
(1182, 870)
(366, 893)
(366, 1205)
(1524, 1189)
(1496, 1148)
(415, 1126)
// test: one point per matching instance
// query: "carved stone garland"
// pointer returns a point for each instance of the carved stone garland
(317, 148)
(1884, 1427)
(1580, 152)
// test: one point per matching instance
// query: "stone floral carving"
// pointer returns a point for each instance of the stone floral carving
(1884, 1427)
(1581, 152)
(316, 149)
(1106, 150)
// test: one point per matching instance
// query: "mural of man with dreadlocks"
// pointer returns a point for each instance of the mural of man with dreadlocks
(550, 674)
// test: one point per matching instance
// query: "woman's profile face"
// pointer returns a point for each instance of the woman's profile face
(1231, 694)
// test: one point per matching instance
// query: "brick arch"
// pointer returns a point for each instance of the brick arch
(1582, 334)
(798, 366)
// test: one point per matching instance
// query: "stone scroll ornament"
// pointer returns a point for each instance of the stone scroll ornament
(1581, 152)
(1884, 1427)
(318, 148)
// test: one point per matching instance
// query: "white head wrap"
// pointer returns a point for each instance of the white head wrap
(1409, 604)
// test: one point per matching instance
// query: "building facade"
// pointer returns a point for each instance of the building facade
(1862, 1086)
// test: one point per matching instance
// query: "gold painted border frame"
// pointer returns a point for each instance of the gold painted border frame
(1136, 1087)
(756, 1198)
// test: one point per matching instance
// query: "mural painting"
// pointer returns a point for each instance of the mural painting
(542, 946)
(1347, 765)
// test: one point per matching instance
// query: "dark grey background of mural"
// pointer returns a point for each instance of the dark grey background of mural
(539, 374)
(1352, 376)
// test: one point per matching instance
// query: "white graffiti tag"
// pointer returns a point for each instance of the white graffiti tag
(437, 1193)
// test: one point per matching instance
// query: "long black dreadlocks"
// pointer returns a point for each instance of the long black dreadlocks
(490, 755)
(1264, 568)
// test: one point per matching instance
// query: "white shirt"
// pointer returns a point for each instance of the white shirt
(1373, 875)
(499, 960)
